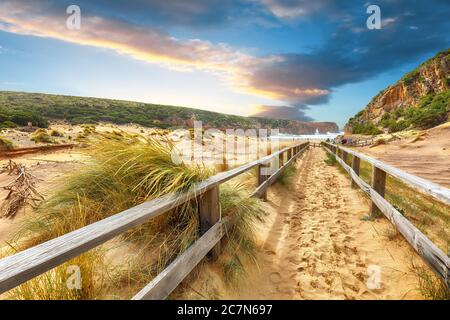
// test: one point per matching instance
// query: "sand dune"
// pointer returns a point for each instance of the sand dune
(426, 155)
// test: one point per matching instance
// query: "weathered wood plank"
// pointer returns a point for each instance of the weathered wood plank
(270, 180)
(423, 185)
(25, 265)
(379, 185)
(209, 214)
(165, 282)
(356, 163)
(430, 253)
(261, 178)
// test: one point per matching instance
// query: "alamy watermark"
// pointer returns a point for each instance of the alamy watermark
(374, 20)
(73, 22)
(231, 147)
(74, 280)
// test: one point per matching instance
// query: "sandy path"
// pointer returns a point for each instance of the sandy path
(49, 168)
(317, 247)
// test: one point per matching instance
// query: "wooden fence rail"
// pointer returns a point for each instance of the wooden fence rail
(431, 254)
(27, 264)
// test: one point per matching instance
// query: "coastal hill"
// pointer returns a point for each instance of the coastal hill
(17, 108)
(420, 99)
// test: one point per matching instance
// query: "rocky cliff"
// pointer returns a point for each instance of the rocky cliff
(428, 80)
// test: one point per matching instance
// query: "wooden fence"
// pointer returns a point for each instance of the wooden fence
(27, 264)
(432, 255)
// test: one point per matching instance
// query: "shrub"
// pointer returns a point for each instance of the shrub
(367, 128)
(331, 159)
(396, 126)
(287, 175)
(244, 211)
(8, 124)
(432, 111)
(41, 136)
(56, 133)
(5, 144)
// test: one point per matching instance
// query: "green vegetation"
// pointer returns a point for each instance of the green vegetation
(410, 77)
(11, 118)
(125, 171)
(331, 159)
(429, 215)
(41, 136)
(245, 212)
(430, 286)
(5, 144)
(286, 176)
(432, 109)
(21, 108)
(367, 128)
(56, 133)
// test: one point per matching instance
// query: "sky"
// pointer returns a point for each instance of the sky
(296, 59)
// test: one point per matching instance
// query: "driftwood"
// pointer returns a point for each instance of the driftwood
(27, 264)
(21, 191)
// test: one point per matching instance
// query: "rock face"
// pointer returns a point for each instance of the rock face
(431, 77)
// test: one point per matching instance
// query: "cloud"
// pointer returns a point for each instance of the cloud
(293, 8)
(149, 44)
(281, 112)
(352, 53)
(187, 13)
(349, 56)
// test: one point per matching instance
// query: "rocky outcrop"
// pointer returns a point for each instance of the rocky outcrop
(431, 77)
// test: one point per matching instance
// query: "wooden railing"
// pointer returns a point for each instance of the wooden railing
(432, 255)
(27, 264)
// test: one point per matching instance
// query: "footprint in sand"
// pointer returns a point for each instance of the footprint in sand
(275, 277)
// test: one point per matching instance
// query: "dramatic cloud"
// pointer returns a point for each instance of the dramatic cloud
(281, 112)
(148, 44)
(350, 54)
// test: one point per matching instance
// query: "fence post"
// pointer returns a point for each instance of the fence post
(355, 166)
(379, 185)
(344, 156)
(289, 154)
(210, 214)
(262, 177)
(281, 159)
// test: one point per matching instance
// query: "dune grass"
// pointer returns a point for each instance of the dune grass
(5, 144)
(124, 171)
(286, 176)
(429, 215)
(42, 136)
(245, 212)
(331, 159)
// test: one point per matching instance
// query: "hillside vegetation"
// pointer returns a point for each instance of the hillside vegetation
(420, 100)
(18, 108)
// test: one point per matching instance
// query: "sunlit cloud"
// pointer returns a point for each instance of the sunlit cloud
(350, 54)
(154, 46)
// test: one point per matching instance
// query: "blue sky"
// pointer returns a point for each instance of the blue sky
(306, 60)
